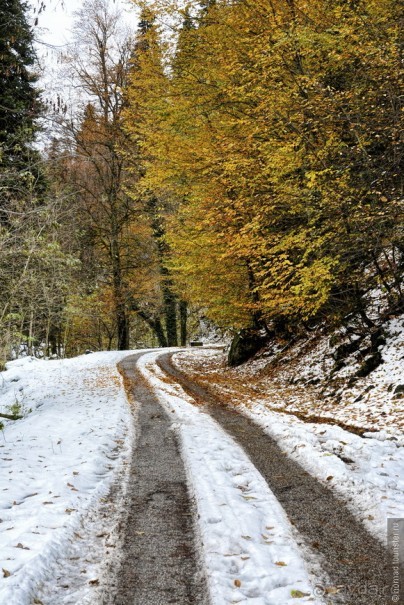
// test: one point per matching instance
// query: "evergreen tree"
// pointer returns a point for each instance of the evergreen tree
(19, 100)
(21, 178)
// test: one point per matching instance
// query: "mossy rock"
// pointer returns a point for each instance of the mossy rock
(399, 392)
(338, 366)
(378, 339)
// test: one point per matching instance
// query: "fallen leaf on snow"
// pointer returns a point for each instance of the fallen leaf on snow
(237, 583)
(6, 573)
(298, 594)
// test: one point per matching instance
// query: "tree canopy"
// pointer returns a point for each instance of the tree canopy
(278, 136)
(236, 160)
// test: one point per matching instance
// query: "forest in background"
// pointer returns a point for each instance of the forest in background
(236, 161)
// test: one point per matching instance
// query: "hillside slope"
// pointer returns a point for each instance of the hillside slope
(321, 377)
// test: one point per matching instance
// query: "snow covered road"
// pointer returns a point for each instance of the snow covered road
(249, 550)
(67, 538)
(356, 563)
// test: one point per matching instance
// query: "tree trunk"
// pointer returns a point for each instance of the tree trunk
(121, 312)
(153, 322)
(30, 333)
(122, 322)
(170, 311)
(183, 322)
(159, 331)
(53, 341)
(169, 298)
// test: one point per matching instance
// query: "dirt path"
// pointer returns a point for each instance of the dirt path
(160, 563)
(355, 562)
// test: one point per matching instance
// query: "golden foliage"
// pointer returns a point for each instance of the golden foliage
(273, 128)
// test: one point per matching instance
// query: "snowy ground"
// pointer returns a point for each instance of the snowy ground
(247, 541)
(367, 471)
(58, 519)
(58, 463)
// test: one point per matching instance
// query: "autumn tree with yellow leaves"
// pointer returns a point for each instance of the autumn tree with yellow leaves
(146, 101)
(274, 130)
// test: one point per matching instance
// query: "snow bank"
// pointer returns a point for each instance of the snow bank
(58, 463)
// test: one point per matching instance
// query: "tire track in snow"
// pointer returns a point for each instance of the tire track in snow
(159, 563)
(356, 562)
(250, 552)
